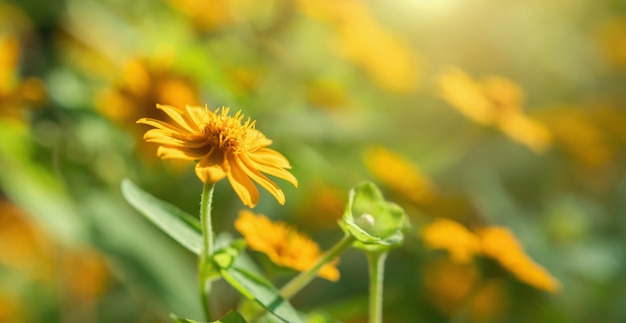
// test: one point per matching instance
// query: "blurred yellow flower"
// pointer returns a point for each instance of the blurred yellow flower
(90, 275)
(141, 85)
(223, 147)
(385, 57)
(494, 101)
(577, 133)
(327, 94)
(322, 207)
(494, 242)
(489, 301)
(11, 310)
(31, 250)
(27, 252)
(399, 174)
(15, 93)
(449, 284)
(284, 245)
(611, 36)
(500, 244)
(450, 235)
(457, 288)
(207, 15)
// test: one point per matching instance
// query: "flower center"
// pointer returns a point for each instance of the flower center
(226, 132)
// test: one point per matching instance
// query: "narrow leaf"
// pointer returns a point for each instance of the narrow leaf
(178, 224)
(230, 317)
(259, 289)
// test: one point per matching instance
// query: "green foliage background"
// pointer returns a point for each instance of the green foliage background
(286, 66)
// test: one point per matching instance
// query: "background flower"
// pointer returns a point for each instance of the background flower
(284, 245)
(541, 153)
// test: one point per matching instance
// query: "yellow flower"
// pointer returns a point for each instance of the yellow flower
(448, 284)
(386, 57)
(140, 85)
(494, 242)
(397, 173)
(16, 93)
(452, 236)
(205, 20)
(494, 101)
(500, 244)
(283, 244)
(223, 147)
(578, 133)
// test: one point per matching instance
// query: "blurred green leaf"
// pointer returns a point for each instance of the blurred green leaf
(35, 188)
(182, 320)
(230, 317)
(178, 224)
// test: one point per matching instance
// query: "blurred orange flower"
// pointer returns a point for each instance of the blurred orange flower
(141, 85)
(15, 93)
(385, 57)
(500, 244)
(494, 242)
(611, 36)
(284, 245)
(578, 133)
(88, 275)
(494, 101)
(11, 310)
(455, 288)
(322, 207)
(29, 253)
(207, 15)
(450, 235)
(223, 147)
(25, 248)
(399, 174)
(449, 284)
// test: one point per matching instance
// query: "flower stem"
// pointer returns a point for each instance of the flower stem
(376, 261)
(204, 262)
(302, 279)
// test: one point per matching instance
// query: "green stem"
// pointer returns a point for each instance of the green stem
(302, 279)
(376, 261)
(204, 262)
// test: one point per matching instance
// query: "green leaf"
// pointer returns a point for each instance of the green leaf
(181, 320)
(259, 289)
(230, 317)
(226, 256)
(178, 224)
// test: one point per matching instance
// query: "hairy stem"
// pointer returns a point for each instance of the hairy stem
(204, 262)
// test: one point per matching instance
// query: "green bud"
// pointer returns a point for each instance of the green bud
(376, 224)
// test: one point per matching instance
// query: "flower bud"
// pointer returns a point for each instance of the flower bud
(376, 224)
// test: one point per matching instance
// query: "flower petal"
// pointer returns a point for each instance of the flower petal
(270, 169)
(241, 183)
(197, 114)
(209, 172)
(271, 157)
(161, 137)
(179, 116)
(161, 125)
(265, 182)
(182, 153)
